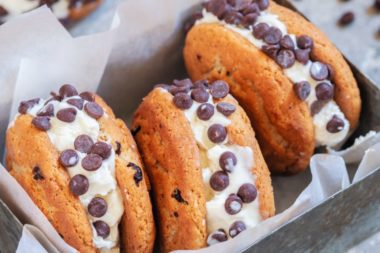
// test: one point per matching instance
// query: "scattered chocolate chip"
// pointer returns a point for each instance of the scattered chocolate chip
(219, 181)
(331, 72)
(92, 162)
(317, 106)
(305, 42)
(217, 7)
(79, 185)
(324, 91)
(182, 86)
(77, 102)
(83, 143)
(260, 30)
(176, 214)
(236, 228)
(88, 96)
(102, 149)
(97, 207)
(319, 71)
(285, 58)
(249, 19)
(26, 105)
(217, 133)
(68, 90)
(183, 83)
(227, 161)
(302, 55)
(233, 204)
(200, 95)
(94, 110)
(205, 111)
(183, 101)
(302, 90)
(335, 125)
(219, 89)
(42, 123)
(136, 130)
(286, 42)
(37, 174)
(217, 237)
(54, 97)
(138, 174)
(118, 148)
(102, 229)
(250, 8)
(226, 108)
(47, 111)
(263, 4)
(201, 84)
(177, 195)
(273, 36)
(233, 17)
(346, 18)
(247, 193)
(67, 115)
(271, 50)
(191, 21)
(68, 158)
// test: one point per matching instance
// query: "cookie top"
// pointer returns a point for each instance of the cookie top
(63, 9)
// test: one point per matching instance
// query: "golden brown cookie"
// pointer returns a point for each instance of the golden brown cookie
(182, 163)
(261, 73)
(35, 160)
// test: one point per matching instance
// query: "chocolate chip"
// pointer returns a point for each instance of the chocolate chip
(102, 229)
(200, 95)
(260, 30)
(219, 89)
(273, 36)
(233, 17)
(201, 84)
(94, 110)
(217, 7)
(263, 4)
(335, 125)
(285, 58)
(217, 237)
(77, 102)
(26, 105)
(286, 42)
(324, 91)
(319, 71)
(227, 161)
(302, 90)
(42, 123)
(83, 143)
(88, 96)
(346, 18)
(92, 162)
(183, 101)
(250, 8)
(271, 50)
(331, 72)
(97, 207)
(37, 174)
(68, 158)
(47, 111)
(79, 185)
(136, 130)
(217, 133)
(102, 149)
(138, 176)
(219, 181)
(191, 21)
(177, 195)
(68, 90)
(302, 55)
(233, 204)
(247, 193)
(205, 111)
(305, 42)
(236, 228)
(317, 106)
(176, 214)
(249, 19)
(183, 83)
(118, 148)
(226, 108)
(67, 115)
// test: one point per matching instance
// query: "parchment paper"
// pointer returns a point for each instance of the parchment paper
(143, 49)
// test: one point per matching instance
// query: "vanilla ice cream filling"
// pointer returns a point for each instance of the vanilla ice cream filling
(297, 73)
(217, 217)
(102, 182)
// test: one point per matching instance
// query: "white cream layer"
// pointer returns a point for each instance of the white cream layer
(102, 182)
(16, 7)
(217, 217)
(298, 72)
